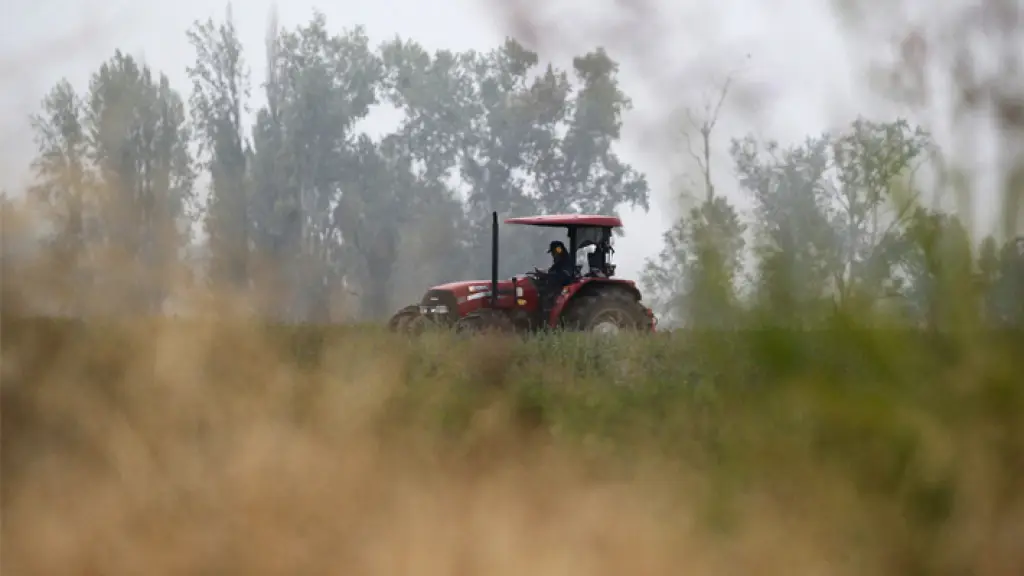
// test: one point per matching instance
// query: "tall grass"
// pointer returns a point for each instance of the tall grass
(230, 447)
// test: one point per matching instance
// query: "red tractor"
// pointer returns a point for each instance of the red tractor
(593, 301)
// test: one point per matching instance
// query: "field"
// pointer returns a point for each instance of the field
(230, 447)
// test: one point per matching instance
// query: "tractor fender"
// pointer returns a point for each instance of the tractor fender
(584, 286)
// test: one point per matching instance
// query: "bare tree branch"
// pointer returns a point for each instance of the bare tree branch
(705, 126)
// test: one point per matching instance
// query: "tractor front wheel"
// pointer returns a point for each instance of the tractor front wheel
(607, 312)
(403, 318)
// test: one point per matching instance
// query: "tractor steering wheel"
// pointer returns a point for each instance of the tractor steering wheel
(537, 274)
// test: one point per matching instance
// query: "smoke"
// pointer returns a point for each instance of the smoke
(36, 52)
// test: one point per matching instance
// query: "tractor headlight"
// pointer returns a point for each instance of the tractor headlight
(519, 291)
(441, 310)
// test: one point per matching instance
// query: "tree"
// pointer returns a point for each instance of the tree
(494, 149)
(830, 214)
(434, 91)
(219, 89)
(704, 126)
(793, 242)
(693, 280)
(664, 277)
(274, 218)
(18, 292)
(541, 145)
(694, 277)
(592, 177)
(717, 240)
(1005, 304)
(369, 215)
(867, 211)
(935, 266)
(62, 186)
(139, 139)
(323, 84)
(988, 269)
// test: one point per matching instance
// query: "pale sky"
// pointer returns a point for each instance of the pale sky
(798, 79)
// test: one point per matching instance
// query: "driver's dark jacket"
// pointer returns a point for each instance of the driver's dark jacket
(560, 273)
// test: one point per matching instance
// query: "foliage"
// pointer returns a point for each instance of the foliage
(115, 179)
(64, 184)
(220, 89)
(837, 227)
(703, 253)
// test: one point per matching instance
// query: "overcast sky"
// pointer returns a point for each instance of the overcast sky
(798, 78)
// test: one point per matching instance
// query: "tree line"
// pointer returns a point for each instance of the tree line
(301, 200)
(304, 206)
(839, 225)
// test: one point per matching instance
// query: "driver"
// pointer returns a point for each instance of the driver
(559, 274)
(561, 270)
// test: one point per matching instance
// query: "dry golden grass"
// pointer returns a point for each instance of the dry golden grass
(193, 450)
(198, 449)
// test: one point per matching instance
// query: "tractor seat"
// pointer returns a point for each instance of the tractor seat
(595, 260)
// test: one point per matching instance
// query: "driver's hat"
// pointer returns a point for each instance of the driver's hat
(556, 247)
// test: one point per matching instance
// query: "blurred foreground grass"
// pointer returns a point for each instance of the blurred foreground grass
(222, 447)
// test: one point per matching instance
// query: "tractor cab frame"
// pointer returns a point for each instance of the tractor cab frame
(593, 232)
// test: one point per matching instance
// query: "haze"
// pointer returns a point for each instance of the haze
(784, 90)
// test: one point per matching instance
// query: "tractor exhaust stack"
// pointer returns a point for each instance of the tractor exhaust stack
(494, 259)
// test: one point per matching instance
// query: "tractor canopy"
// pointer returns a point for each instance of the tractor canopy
(590, 238)
(568, 221)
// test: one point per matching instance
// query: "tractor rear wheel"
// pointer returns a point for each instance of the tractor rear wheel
(401, 320)
(607, 312)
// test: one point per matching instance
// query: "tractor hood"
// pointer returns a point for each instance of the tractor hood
(461, 298)
(465, 288)
(464, 285)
